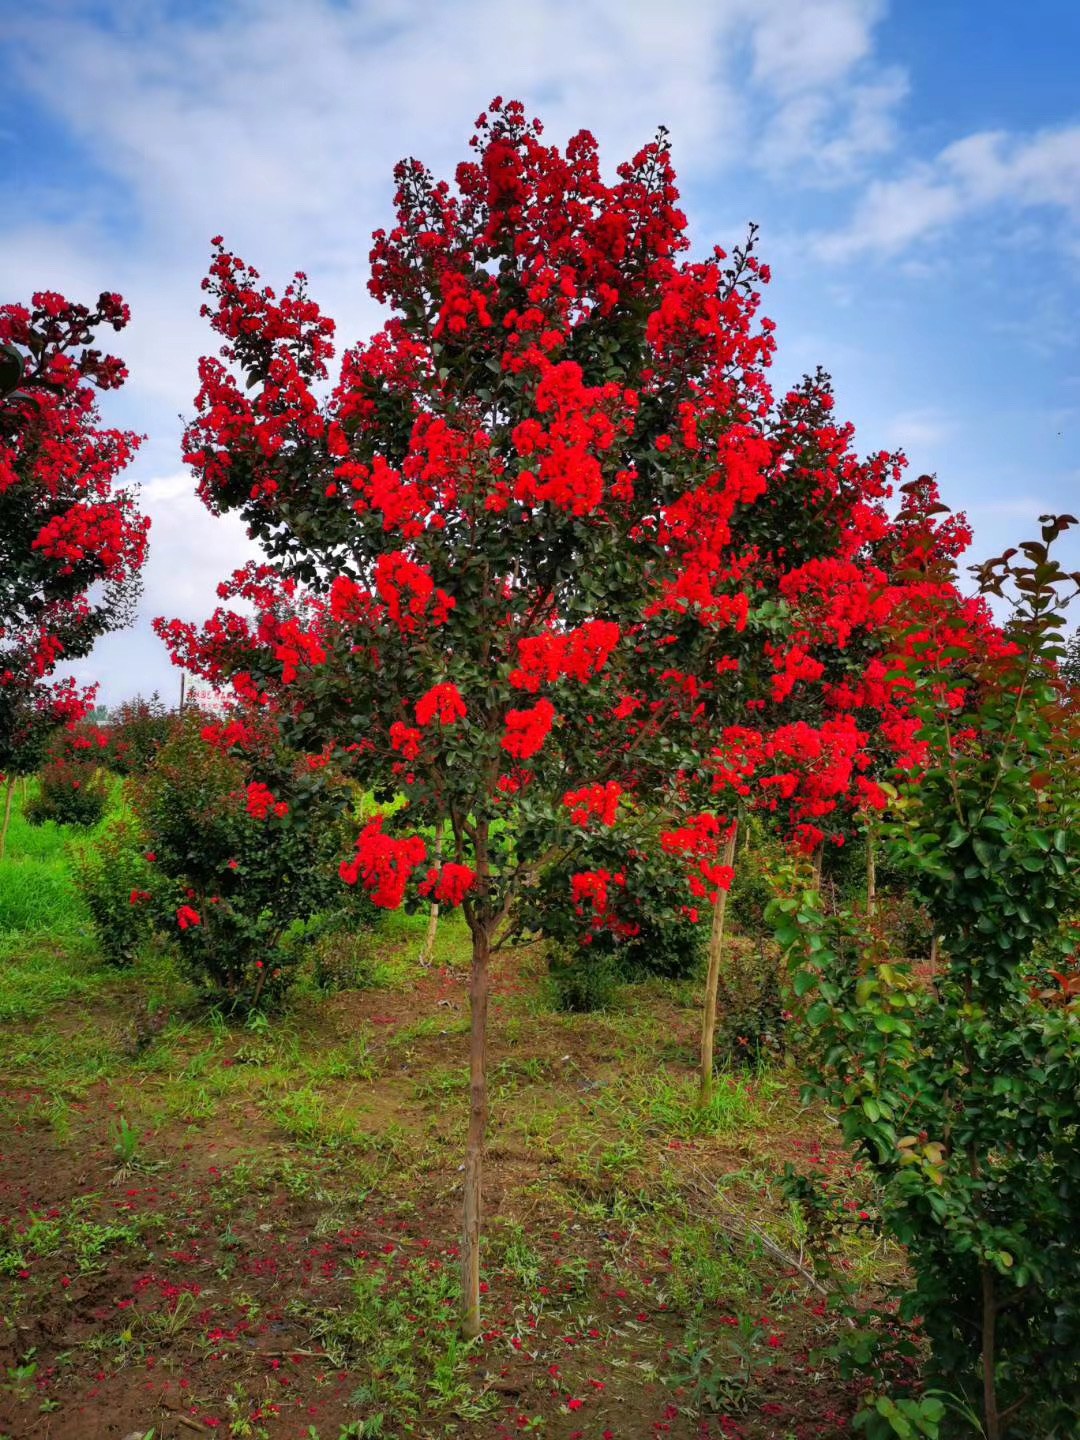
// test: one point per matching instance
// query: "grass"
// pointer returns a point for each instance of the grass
(453, 944)
(36, 893)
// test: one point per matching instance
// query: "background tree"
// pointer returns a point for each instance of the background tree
(71, 543)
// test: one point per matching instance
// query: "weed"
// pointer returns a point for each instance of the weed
(306, 1117)
(439, 1084)
(168, 1324)
(402, 1330)
(125, 1144)
(670, 1107)
(21, 1376)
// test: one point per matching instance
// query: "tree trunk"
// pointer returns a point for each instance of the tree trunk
(989, 1316)
(871, 868)
(474, 1148)
(9, 790)
(428, 952)
(716, 951)
(933, 955)
(819, 860)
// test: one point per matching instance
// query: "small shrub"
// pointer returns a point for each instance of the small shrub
(645, 930)
(245, 841)
(138, 730)
(343, 956)
(71, 792)
(114, 880)
(583, 978)
(751, 1014)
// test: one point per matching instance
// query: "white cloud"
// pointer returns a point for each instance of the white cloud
(802, 47)
(992, 171)
(915, 431)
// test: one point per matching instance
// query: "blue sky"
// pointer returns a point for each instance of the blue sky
(915, 169)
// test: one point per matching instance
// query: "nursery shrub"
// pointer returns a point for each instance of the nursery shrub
(241, 843)
(113, 878)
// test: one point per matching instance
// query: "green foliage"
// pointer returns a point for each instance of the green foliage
(137, 731)
(342, 953)
(71, 790)
(961, 1093)
(36, 897)
(114, 880)
(401, 1340)
(883, 1418)
(751, 1009)
(757, 859)
(583, 978)
(228, 884)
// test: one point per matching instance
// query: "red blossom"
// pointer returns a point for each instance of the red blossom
(261, 802)
(443, 702)
(526, 730)
(448, 885)
(383, 864)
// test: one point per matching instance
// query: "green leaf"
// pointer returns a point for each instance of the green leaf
(804, 982)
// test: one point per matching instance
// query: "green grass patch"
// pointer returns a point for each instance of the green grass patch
(453, 943)
(37, 896)
(41, 973)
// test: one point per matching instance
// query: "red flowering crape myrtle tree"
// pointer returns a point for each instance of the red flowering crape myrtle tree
(795, 709)
(526, 556)
(71, 543)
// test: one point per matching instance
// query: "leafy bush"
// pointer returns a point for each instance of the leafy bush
(244, 840)
(961, 1100)
(70, 791)
(751, 1012)
(113, 878)
(583, 978)
(137, 731)
(341, 952)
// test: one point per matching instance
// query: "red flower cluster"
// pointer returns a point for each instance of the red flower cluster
(526, 730)
(580, 654)
(567, 454)
(187, 918)
(383, 864)
(589, 890)
(405, 739)
(101, 536)
(407, 590)
(231, 734)
(261, 802)
(448, 885)
(599, 800)
(443, 702)
(462, 303)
